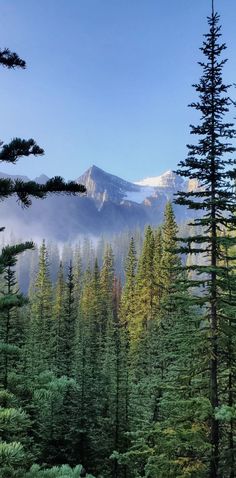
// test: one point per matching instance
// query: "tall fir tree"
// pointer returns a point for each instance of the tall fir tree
(40, 340)
(127, 323)
(209, 161)
(69, 324)
(58, 322)
(14, 422)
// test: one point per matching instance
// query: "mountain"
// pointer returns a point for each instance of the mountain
(103, 187)
(169, 181)
(110, 204)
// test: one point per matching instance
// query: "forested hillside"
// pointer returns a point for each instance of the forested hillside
(115, 376)
(96, 371)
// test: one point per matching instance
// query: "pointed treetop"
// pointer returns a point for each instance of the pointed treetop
(212, 8)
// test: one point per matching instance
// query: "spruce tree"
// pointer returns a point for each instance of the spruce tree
(170, 260)
(128, 298)
(140, 333)
(14, 422)
(145, 289)
(158, 266)
(40, 341)
(69, 325)
(127, 317)
(106, 282)
(11, 325)
(58, 323)
(209, 161)
(78, 276)
(89, 347)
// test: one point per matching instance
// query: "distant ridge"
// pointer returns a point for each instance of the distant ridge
(110, 205)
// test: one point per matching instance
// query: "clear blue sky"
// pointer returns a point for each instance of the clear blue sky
(107, 81)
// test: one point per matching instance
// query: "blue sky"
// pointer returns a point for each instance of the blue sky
(107, 81)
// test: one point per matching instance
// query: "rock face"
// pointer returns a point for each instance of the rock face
(111, 204)
(102, 186)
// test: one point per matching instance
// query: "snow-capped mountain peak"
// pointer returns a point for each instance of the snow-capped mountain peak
(111, 204)
(167, 180)
(103, 187)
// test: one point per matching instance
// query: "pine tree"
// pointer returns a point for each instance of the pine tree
(78, 276)
(40, 342)
(170, 260)
(89, 346)
(209, 162)
(69, 325)
(11, 325)
(14, 425)
(127, 317)
(14, 422)
(128, 298)
(54, 260)
(58, 322)
(58, 472)
(140, 333)
(158, 266)
(140, 330)
(106, 282)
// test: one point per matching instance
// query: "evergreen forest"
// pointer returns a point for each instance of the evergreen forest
(118, 360)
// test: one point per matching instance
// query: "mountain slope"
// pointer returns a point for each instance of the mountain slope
(111, 204)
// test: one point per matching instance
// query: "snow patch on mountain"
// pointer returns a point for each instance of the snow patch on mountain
(166, 180)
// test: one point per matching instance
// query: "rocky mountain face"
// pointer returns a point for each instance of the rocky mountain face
(110, 205)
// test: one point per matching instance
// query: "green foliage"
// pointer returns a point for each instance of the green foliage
(210, 161)
(10, 59)
(63, 471)
(19, 147)
(225, 413)
(11, 454)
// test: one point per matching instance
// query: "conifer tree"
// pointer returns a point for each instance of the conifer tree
(209, 161)
(89, 346)
(69, 324)
(78, 276)
(106, 282)
(145, 287)
(58, 472)
(11, 325)
(158, 267)
(54, 260)
(128, 299)
(127, 318)
(58, 323)
(40, 343)
(14, 426)
(14, 422)
(170, 260)
(140, 332)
